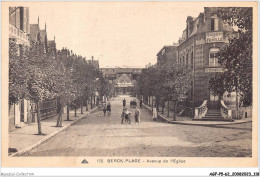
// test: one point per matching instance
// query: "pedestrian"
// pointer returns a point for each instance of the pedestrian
(108, 108)
(128, 116)
(135, 104)
(154, 113)
(124, 102)
(123, 116)
(137, 115)
(104, 109)
(100, 109)
(141, 103)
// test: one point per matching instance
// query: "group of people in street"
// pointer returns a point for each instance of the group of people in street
(127, 115)
(104, 108)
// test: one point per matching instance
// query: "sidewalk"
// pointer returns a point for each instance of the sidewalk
(26, 138)
(189, 121)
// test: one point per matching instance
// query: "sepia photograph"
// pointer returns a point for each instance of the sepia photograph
(133, 84)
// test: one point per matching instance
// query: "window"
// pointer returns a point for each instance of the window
(191, 60)
(214, 23)
(187, 60)
(213, 59)
(21, 18)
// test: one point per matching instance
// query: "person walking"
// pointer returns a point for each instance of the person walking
(108, 108)
(124, 102)
(128, 116)
(154, 113)
(123, 116)
(137, 115)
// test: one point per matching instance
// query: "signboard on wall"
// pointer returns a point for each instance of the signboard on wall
(212, 37)
(214, 70)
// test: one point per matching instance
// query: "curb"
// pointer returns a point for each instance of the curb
(50, 135)
(196, 124)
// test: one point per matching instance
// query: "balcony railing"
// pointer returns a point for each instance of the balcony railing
(16, 33)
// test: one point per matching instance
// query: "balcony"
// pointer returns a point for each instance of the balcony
(22, 37)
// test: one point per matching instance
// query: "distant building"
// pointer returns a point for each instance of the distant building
(19, 32)
(93, 62)
(167, 55)
(123, 78)
(39, 36)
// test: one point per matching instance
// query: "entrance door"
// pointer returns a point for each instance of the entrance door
(213, 102)
(124, 90)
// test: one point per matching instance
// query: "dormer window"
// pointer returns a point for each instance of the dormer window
(214, 23)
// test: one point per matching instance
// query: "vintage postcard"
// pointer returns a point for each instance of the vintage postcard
(129, 84)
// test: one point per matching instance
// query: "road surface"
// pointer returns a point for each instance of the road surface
(106, 136)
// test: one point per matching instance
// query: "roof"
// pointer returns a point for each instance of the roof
(52, 42)
(43, 34)
(167, 46)
(34, 29)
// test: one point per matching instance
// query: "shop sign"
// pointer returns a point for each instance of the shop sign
(214, 70)
(212, 37)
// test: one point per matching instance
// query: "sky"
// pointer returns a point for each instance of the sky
(116, 33)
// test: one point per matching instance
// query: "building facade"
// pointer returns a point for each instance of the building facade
(19, 30)
(167, 55)
(123, 79)
(202, 39)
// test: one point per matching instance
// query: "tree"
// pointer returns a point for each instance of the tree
(40, 81)
(165, 82)
(236, 56)
(18, 74)
(177, 85)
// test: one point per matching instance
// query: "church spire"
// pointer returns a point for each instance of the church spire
(38, 21)
(45, 26)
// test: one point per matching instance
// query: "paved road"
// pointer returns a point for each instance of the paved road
(106, 136)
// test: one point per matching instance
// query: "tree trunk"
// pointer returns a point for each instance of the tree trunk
(157, 103)
(87, 104)
(152, 101)
(148, 100)
(94, 100)
(81, 106)
(91, 104)
(237, 115)
(39, 119)
(163, 104)
(75, 111)
(168, 111)
(68, 112)
(175, 110)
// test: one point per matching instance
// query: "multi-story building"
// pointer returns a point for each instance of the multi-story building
(19, 31)
(123, 78)
(200, 42)
(167, 55)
